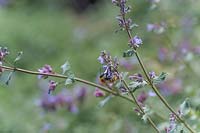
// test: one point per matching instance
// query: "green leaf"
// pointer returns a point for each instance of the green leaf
(136, 85)
(147, 112)
(65, 67)
(185, 107)
(124, 75)
(19, 56)
(70, 78)
(160, 78)
(68, 81)
(144, 117)
(104, 101)
(9, 77)
(129, 53)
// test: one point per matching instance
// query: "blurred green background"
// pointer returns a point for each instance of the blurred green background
(53, 31)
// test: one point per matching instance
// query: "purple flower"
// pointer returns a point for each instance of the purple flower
(48, 103)
(152, 74)
(157, 28)
(126, 64)
(135, 42)
(115, 2)
(196, 50)
(142, 97)
(137, 77)
(4, 3)
(162, 54)
(151, 94)
(150, 27)
(170, 87)
(172, 123)
(73, 108)
(101, 59)
(1, 69)
(52, 86)
(80, 93)
(45, 70)
(99, 93)
(120, 21)
(3, 53)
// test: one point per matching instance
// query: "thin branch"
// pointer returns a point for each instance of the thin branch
(150, 82)
(139, 106)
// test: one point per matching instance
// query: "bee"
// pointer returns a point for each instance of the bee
(108, 76)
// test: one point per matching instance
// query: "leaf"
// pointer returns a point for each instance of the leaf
(65, 67)
(136, 85)
(185, 107)
(9, 77)
(70, 78)
(129, 53)
(160, 78)
(68, 81)
(147, 112)
(133, 25)
(124, 75)
(144, 117)
(19, 56)
(104, 101)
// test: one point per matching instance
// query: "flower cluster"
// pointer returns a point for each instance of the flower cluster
(152, 74)
(127, 24)
(124, 9)
(170, 86)
(157, 28)
(52, 86)
(110, 66)
(183, 51)
(3, 53)
(142, 97)
(135, 42)
(47, 69)
(172, 123)
(122, 4)
(65, 99)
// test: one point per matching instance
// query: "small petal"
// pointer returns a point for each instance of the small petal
(135, 42)
(99, 93)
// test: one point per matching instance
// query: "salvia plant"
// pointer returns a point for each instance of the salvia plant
(111, 81)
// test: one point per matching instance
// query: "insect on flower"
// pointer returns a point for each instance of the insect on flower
(108, 76)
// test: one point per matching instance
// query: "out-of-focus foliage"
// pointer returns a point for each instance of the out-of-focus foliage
(53, 31)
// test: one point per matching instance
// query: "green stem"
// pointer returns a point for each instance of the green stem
(81, 81)
(150, 82)
(139, 106)
(160, 96)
